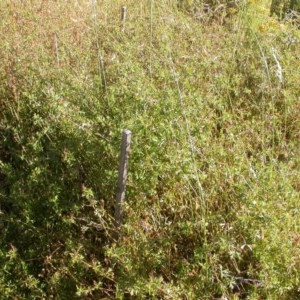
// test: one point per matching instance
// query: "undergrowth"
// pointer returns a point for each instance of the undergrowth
(210, 92)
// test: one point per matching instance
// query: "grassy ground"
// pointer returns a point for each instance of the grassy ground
(211, 96)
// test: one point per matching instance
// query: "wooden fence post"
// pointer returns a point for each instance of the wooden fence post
(123, 17)
(123, 170)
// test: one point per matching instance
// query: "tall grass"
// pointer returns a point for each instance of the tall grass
(210, 94)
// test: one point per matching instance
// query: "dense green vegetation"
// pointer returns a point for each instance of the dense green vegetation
(211, 94)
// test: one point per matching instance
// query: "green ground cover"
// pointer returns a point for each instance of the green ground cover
(211, 95)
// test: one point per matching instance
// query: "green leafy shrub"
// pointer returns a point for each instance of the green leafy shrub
(282, 7)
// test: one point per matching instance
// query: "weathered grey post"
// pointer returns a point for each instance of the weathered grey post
(123, 17)
(123, 170)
